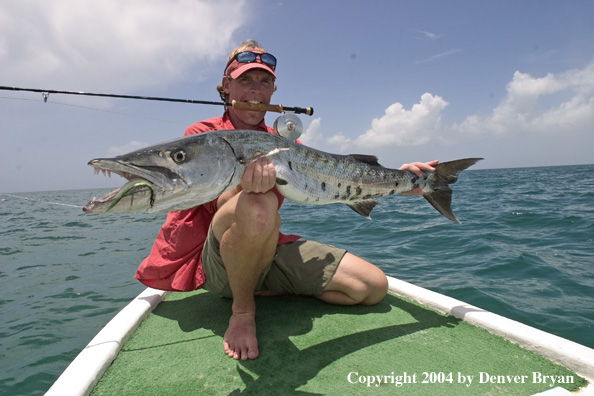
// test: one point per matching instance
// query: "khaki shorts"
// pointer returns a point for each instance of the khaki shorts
(301, 267)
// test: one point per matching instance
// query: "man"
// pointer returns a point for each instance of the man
(232, 246)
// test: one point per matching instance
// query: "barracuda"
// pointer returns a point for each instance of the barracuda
(192, 170)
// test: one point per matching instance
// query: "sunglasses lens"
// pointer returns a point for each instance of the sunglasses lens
(246, 57)
(249, 57)
(268, 59)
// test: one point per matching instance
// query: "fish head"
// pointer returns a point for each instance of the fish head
(175, 175)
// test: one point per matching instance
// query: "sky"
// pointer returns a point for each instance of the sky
(510, 81)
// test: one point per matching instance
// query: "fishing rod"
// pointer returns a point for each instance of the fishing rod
(235, 104)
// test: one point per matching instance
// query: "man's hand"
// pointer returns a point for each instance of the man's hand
(259, 177)
(417, 168)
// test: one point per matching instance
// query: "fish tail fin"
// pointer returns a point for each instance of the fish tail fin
(440, 194)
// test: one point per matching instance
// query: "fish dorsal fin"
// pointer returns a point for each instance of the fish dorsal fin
(366, 159)
(364, 208)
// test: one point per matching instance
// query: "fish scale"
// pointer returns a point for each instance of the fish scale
(339, 179)
(309, 176)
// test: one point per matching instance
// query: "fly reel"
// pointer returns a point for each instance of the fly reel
(288, 126)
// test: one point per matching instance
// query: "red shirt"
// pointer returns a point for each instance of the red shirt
(175, 261)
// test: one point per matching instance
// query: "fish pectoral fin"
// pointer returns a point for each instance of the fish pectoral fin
(245, 161)
(364, 208)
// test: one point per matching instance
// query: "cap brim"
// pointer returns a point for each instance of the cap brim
(243, 67)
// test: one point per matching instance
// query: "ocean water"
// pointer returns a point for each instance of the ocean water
(525, 250)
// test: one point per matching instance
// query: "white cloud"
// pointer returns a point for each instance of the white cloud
(440, 55)
(340, 141)
(430, 35)
(400, 127)
(313, 133)
(551, 104)
(87, 44)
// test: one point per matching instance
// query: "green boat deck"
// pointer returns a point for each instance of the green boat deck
(308, 347)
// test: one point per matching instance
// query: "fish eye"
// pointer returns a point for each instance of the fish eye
(178, 156)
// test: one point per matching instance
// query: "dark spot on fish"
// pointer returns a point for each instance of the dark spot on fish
(396, 184)
(413, 180)
(339, 184)
(281, 182)
(290, 165)
(317, 199)
(391, 192)
(348, 191)
(337, 195)
(358, 191)
(323, 186)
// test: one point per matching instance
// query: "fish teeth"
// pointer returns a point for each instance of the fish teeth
(105, 172)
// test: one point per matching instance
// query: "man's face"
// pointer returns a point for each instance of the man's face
(254, 85)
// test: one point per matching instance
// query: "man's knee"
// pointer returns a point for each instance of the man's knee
(259, 212)
(362, 282)
(377, 288)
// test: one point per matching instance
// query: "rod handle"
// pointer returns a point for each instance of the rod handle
(268, 107)
(256, 106)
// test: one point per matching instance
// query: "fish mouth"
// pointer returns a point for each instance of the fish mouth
(142, 182)
(133, 187)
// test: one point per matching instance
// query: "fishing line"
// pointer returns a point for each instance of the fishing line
(10, 97)
(102, 110)
(38, 200)
(123, 114)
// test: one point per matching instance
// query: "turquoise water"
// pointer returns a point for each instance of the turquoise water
(525, 250)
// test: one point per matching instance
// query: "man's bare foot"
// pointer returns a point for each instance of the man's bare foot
(240, 340)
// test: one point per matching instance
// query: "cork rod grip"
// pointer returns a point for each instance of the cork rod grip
(275, 108)
(256, 106)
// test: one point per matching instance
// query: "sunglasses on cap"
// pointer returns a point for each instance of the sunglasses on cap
(250, 57)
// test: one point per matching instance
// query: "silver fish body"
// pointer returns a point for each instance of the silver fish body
(192, 170)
